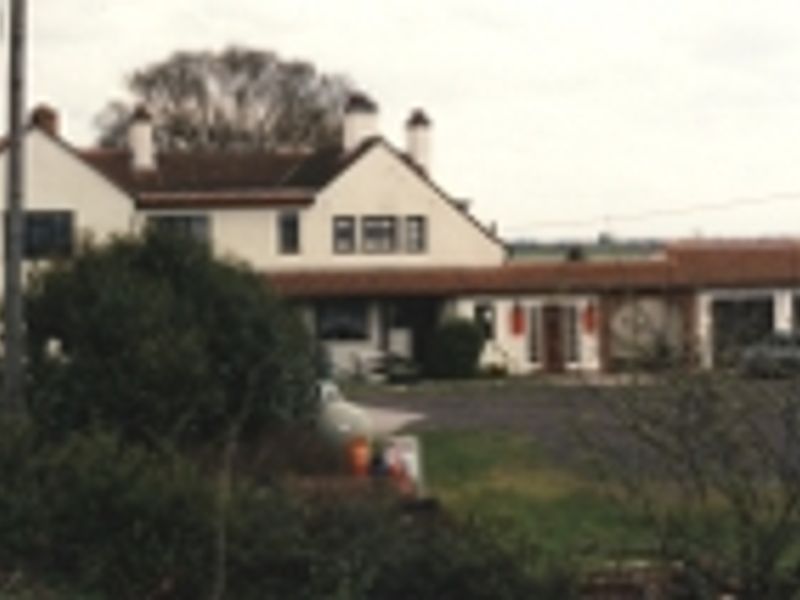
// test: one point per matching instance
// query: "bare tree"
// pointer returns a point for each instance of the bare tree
(711, 462)
(237, 99)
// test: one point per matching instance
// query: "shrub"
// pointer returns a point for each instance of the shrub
(93, 518)
(342, 543)
(454, 349)
(158, 341)
(103, 519)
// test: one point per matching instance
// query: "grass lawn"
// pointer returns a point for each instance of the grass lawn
(504, 478)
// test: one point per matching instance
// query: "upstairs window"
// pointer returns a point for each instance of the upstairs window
(48, 234)
(195, 227)
(416, 234)
(344, 235)
(288, 233)
(379, 234)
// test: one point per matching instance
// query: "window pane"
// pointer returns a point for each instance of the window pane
(416, 234)
(195, 227)
(344, 235)
(343, 320)
(289, 233)
(379, 234)
(47, 234)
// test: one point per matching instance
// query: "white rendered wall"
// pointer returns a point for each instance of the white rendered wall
(378, 184)
(783, 310)
(510, 350)
(56, 179)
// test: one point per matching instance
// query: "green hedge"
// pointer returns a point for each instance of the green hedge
(454, 350)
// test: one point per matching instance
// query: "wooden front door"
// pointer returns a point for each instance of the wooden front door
(553, 334)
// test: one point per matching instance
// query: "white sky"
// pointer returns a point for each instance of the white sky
(559, 118)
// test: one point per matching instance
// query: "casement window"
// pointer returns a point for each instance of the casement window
(484, 317)
(344, 235)
(48, 234)
(288, 233)
(345, 320)
(379, 234)
(416, 234)
(196, 227)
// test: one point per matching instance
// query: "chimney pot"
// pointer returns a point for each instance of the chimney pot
(360, 121)
(418, 135)
(140, 140)
(45, 117)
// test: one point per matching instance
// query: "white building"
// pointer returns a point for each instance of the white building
(376, 253)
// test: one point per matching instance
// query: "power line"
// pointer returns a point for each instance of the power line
(607, 219)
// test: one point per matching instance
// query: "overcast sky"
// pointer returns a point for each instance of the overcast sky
(558, 118)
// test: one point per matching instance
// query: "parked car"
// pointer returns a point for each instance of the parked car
(777, 355)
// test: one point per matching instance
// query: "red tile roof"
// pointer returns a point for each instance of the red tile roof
(511, 278)
(685, 266)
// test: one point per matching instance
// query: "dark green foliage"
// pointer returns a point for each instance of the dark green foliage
(98, 519)
(163, 344)
(103, 519)
(358, 544)
(454, 349)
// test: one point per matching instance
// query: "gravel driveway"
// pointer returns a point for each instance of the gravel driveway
(554, 412)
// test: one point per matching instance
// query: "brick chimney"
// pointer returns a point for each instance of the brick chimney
(360, 121)
(140, 140)
(45, 117)
(418, 139)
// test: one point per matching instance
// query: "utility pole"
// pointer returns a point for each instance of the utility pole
(14, 371)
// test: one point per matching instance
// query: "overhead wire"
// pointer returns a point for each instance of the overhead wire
(607, 219)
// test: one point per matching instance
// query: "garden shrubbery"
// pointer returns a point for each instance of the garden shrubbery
(99, 519)
(170, 403)
(158, 341)
(454, 350)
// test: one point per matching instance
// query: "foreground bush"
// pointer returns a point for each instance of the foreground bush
(97, 519)
(156, 340)
(106, 520)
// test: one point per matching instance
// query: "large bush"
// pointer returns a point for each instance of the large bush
(454, 349)
(93, 517)
(103, 519)
(155, 339)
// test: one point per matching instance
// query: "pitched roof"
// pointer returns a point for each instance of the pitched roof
(684, 266)
(213, 171)
(196, 180)
(732, 263)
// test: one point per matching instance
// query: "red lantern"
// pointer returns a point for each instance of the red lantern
(517, 319)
